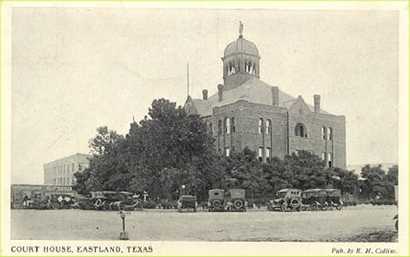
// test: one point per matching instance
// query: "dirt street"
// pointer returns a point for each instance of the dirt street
(254, 225)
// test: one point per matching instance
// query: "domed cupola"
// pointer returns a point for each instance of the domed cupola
(240, 61)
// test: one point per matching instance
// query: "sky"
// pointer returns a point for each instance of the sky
(75, 69)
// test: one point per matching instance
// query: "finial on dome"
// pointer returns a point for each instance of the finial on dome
(240, 29)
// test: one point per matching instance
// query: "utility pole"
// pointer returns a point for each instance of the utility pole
(187, 79)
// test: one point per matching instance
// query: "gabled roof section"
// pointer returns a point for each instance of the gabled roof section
(299, 104)
(253, 90)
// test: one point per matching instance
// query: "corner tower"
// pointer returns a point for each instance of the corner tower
(240, 61)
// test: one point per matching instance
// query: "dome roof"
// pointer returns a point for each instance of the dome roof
(241, 46)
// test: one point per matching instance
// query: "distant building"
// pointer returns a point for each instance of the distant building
(247, 112)
(60, 172)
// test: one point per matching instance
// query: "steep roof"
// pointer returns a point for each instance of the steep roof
(253, 90)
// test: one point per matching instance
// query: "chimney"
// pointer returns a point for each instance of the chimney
(220, 92)
(205, 94)
(275, 96)
(316, 101)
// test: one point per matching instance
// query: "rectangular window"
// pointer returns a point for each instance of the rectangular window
(329, 160)
(219, 127)
(227, 125)
(268, 126)
(260, 153)
(268, 153)
(227, 152)
(260, 126)
(324, 133)
(329, 134)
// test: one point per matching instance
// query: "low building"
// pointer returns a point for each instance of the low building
(61, 172)
(21, 192)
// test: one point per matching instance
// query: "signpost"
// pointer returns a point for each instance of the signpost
(123, 234)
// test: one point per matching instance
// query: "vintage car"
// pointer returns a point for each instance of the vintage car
(322, 199)
(334, 199)
(232, 200)
(187, 202)
(287, 199)
(216, 200)
(112, 200)
(236, 200)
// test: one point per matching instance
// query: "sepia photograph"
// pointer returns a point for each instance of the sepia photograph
(205, 124)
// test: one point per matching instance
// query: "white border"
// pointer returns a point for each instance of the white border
(209, 248)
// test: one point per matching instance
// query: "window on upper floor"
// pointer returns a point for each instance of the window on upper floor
(227, 125)
(324, 156)
(329, 133)
(268, 128)
(260, 126)
(324, 133)
(219, 127)
(233, 128)
(211, 129)
(300, 130)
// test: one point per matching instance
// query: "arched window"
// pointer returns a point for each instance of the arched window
(210, 128)
(227, 126)
(329, 133)
(268, 128)
(219, 127)
(300, 130)
(260, 126)
(233, 129)
(324, 132)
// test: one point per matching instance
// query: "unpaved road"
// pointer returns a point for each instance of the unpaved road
(258, 225)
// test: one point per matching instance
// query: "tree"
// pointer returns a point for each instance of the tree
(166, 148)
(377, 183)
(393, 175)
(304, 170)
(106, 171)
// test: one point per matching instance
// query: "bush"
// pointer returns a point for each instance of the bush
(149, 204)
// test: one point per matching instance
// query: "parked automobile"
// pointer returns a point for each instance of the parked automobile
(287, 199)
(232, 200)
(187, 202)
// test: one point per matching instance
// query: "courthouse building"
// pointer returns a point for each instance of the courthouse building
(61, 172)
(248, 112)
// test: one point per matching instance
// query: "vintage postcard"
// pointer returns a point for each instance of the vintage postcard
(204, 128)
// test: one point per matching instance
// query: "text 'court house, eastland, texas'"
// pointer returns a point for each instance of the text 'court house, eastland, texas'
(248, 112)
